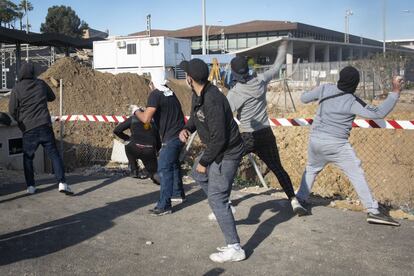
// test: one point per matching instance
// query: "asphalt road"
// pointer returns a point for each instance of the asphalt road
(105, 227)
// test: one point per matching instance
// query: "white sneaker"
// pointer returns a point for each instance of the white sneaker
(298, 208)
(31, 190)
(229, 254)
(212, 216)
(65, 188)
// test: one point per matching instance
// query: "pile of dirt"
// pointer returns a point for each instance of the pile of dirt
(86, 91)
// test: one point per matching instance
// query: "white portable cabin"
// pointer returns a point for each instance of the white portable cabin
(141, 55)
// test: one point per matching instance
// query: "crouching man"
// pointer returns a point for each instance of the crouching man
(215, 169)
(143, 144)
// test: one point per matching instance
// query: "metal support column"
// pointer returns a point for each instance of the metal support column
(3, 68)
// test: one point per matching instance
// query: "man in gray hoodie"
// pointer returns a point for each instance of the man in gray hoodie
(328, 142)
(248, 98)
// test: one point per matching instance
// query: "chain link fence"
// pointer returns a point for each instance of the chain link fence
(387, 155)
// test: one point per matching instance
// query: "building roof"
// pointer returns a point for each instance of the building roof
(259, 26)
(246, 27)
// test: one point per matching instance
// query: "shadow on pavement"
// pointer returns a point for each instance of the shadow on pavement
(56, 235)
(214, 272)
(19, 187)
(283, 212)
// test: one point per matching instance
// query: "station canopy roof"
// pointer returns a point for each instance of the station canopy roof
(11, 36)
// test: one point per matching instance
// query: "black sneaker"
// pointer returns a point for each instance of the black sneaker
(156, 179)
(143, 174)
(381, 219)
(178, 199)
(133, 174)
(160, 212)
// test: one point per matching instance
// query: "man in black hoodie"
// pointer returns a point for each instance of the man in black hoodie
(215, 169)
(28, 106)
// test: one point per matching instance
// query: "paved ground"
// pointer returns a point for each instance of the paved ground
(104, 229)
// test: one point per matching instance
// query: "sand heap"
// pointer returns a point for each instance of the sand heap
(86, 91)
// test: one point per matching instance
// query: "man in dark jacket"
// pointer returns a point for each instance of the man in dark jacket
(215, 169)
(28, 106)
(164, 107)
(143, 144)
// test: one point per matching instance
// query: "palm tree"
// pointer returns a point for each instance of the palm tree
(7, 12)
(22, 10)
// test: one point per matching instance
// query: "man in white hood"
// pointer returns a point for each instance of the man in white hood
(164, 107)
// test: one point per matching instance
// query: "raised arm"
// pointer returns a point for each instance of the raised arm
(280, 59)
(311, 96)
(381, 111)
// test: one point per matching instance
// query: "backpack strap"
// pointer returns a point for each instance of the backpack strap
(333, 96)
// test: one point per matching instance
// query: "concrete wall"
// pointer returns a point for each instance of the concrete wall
(15, 161)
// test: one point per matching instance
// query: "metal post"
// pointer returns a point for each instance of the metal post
(4, 70)
(149, 25)
(27, 31)
(203, 3)
(18, 59)
(60, 116)
(363, 79)
(384, 3)
(256, 168)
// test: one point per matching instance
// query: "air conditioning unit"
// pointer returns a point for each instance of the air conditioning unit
(121, 44)
(154, 41)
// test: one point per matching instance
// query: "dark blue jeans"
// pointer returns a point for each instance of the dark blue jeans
(42, 135)
(170, 173)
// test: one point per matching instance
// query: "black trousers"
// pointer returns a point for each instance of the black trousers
(147, 155)
(263, 143)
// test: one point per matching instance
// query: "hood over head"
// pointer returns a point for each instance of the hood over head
(348, 79)
(26, 71)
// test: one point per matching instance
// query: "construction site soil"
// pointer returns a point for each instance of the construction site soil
(387, 155)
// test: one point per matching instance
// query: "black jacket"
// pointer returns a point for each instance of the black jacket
(211, 116)
(140, 133)
(28, 100)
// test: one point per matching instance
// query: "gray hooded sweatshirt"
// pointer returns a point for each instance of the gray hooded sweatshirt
(249, 100)
(334, 116)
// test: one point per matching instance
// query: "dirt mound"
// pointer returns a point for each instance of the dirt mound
(87, 91)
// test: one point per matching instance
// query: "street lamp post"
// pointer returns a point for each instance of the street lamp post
(384, 13)
(27, 30)
(208, 36)
(203, 4)
(348, 13)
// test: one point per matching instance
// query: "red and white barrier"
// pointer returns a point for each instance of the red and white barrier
(274, 122)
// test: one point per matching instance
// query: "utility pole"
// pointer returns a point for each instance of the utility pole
(384, 13)
(203, 3)
(27, 30)
(149, 25)
(348, 13)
